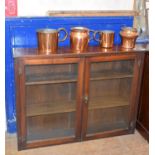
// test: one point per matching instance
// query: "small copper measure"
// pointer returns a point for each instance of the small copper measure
(106, 38)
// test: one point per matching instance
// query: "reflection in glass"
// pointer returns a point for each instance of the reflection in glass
(109, 95)
(51, 101)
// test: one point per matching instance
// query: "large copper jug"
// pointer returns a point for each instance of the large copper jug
(79, 39)
(48, 40)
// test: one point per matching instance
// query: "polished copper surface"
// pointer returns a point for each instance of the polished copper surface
(107, 50)
(106, 38)
(48, 40)
(129, 29)
(129, 36)
(79, 39)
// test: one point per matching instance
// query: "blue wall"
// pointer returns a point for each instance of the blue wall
(21, 32)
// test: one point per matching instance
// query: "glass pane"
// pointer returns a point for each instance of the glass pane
(51, 126)
(109, 95)
(115, 69)
(50, 103)
(51, 72)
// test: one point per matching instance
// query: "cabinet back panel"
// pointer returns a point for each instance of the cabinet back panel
(51, 72)
(105, 119)
(111, 79)
(51, 126)
(125, 87)
(104, 88)
(50, 93)
(111, 88)
(121, 66)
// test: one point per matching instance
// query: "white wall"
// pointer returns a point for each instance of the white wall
(40, 7)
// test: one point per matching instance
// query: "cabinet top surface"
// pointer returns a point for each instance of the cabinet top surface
(67, 52)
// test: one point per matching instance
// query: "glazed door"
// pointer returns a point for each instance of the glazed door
(51, 101)
(110, 95)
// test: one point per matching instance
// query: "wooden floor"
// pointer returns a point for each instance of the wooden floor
(132, 144)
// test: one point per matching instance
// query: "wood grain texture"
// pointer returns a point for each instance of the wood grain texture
(143, 108)
(46, 109)
(64, 52)
(91, 13)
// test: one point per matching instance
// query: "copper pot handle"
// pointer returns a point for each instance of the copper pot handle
(93, 34)
(66, 34)
(98, 40)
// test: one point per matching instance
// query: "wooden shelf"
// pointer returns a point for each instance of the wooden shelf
(50, 79)
(96, 103)
(47, 108)
(107, 102)
(100, 127)
(92, 13)
(52, 133)
(51, 82)
(108, 75)
(95, 77)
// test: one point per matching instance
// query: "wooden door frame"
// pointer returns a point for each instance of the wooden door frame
(21, 101)
(133, 96)
(138, 69)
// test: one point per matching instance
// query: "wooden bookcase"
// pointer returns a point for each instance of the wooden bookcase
(69, 97)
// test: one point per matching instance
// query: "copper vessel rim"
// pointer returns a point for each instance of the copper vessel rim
(79, 28)
(132, 29)
(124, 34)
(47, 31)
(107, 31)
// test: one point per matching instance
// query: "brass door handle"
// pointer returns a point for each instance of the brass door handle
(86, 99)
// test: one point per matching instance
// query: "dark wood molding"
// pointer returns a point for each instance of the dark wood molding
(92, 13)
(143, 107)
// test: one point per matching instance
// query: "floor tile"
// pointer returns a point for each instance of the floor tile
(132, 144)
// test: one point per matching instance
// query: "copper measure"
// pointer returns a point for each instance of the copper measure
(48, 40)
(129, 36)
(106, 38)
(79, 39)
